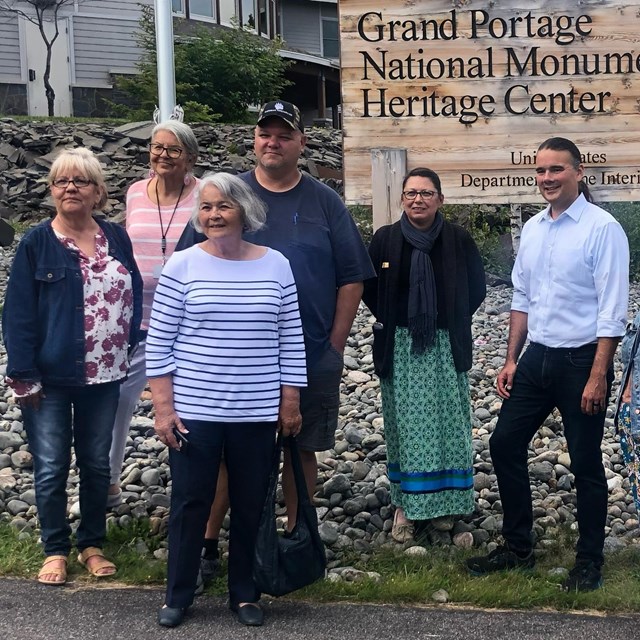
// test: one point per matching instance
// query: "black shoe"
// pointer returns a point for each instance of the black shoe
(250, 614)
(585, 576)
(171, 616)
(500, 559)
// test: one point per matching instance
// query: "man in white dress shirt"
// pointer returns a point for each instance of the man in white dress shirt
(570, 300)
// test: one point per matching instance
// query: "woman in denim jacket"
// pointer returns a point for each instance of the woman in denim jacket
(627, 418)
(71, 313)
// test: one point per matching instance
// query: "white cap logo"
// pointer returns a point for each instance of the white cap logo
(279, 106)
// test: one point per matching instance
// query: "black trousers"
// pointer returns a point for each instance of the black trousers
(248, 450)
(548, 378)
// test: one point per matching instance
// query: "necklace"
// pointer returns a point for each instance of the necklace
(164, 233)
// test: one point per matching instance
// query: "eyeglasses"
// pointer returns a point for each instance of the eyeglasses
(424, 194)
(79, 182)
(157, 149)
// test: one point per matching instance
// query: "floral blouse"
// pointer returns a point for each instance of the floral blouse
(108, 309)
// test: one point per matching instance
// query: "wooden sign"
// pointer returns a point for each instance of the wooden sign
(471, 88)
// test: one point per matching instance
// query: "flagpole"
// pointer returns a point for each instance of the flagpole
(164, 52)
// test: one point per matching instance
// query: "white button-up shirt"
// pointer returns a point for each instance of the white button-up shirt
(571, 276)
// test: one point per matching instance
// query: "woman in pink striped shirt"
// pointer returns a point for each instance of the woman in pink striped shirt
(158, 208)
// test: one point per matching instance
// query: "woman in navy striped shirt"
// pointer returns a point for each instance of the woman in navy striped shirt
(225, 359)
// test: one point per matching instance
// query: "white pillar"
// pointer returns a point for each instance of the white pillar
(164, 52)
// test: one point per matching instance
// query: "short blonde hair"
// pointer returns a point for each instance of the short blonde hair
(83, 161)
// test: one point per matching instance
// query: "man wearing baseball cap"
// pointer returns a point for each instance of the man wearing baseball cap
(286, 111)
(307, 222)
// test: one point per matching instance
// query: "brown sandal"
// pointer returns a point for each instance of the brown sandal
(59, 572)
(101, 567)
(402, 531)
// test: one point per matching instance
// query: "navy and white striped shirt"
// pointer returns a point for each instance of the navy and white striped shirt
(229, 333)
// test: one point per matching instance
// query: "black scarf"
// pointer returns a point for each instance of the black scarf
(423, 305)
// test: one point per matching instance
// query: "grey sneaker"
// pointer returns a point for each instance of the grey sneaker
(585, 576)
(500, 559)
(114, 500)
(199, 584)
(208, 570)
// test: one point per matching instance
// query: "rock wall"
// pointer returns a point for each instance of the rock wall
(28, 149)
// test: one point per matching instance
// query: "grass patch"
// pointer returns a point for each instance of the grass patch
(19, 553)
(413, 580)
(131, 548)
(404, 579)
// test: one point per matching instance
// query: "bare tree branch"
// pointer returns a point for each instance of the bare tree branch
(39, 18)
(13, 6)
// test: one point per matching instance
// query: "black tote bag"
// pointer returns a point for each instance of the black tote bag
(285, 564)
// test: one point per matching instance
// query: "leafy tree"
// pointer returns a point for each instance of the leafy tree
(628, 215)
(43, 11)
(219, 73)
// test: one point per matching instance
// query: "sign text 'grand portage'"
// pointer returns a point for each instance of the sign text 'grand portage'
(470, 89)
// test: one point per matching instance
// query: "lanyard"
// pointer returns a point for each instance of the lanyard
(164, 233)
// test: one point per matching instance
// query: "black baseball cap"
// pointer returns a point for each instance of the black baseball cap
(286, 111)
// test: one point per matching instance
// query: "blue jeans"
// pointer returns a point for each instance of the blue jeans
(248, 452)
(82, 416)
(548, 378)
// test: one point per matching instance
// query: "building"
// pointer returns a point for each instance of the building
(97, 41)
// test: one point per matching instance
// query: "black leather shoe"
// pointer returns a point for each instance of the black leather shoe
(250, 614)
(171, 616)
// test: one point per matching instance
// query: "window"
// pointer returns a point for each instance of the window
(201, 8)
(330, 38)
(249, 14)
(177, 6)
(263, 15)
(227, 12)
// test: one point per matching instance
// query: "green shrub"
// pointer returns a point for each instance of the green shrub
(219, 73)
(363, 217)
(628, 215)
(490, 229)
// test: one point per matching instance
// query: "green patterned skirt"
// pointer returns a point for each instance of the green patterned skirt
(427, 425)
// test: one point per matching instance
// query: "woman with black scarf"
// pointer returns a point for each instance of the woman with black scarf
(430, 280)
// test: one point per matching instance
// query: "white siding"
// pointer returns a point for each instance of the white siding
(10, 67)
(120, 8)
(301, 26)
(101, 46)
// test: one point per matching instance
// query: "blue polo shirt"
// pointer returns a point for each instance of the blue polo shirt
(313, 229)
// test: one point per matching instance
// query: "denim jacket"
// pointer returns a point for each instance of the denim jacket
(631, 362)
(43, 315)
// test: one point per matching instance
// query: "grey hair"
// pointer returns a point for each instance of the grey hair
(183, 132)
(252, 209)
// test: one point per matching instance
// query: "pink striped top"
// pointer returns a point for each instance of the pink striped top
(143, 227)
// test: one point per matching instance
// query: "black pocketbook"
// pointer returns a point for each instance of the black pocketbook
(181, 438)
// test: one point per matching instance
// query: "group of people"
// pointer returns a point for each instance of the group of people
(234, 297)
(240, 334)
